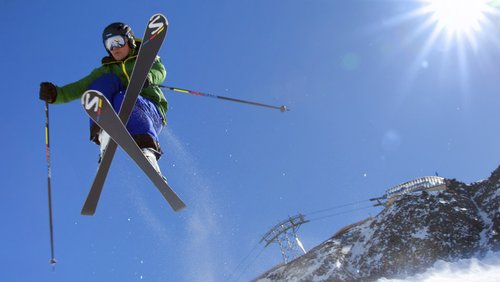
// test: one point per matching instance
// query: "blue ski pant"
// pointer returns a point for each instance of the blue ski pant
(145, 117)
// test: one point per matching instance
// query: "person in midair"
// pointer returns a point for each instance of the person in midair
(111, 79)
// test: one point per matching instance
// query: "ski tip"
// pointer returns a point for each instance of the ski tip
(87, 212)
(155, 16)
(158, 21)
(180, 207)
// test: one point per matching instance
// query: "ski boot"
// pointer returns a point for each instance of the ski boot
(103, 143)
(151, 155)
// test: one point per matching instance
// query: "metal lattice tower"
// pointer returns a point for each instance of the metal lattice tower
(285, 234)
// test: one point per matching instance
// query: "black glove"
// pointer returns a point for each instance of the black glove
(48, 92)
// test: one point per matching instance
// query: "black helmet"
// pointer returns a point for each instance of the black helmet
(119, 28)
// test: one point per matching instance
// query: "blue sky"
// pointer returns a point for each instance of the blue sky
(377, 97)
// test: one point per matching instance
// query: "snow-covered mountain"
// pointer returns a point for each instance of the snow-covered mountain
(407, 237)
(485, 269)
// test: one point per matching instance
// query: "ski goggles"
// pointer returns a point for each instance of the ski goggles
(116, 41)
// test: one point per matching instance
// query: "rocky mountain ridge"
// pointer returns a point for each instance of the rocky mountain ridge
(407, 237)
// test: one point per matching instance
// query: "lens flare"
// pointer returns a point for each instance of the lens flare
(458, 16)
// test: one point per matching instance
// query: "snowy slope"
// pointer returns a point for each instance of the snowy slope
(407, 237)
(486, 269)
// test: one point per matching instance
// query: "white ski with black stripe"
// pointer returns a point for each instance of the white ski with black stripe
(100, 110)
(152, 40)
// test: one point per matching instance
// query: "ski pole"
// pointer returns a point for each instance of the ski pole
(282, 108)
(49, 175)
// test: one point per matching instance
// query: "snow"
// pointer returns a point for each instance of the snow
(359, 247)
(497, 193)
(486, 269)
(459, 209)
(346, 249)
(421, 234)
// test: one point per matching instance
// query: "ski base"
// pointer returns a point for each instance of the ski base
(100, 110)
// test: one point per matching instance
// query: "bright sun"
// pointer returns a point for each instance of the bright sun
(458, 16)
(441, 33)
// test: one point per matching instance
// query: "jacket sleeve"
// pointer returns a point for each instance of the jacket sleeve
(157, 73)
(75, 90)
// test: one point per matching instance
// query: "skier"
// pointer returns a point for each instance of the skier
(111, 79)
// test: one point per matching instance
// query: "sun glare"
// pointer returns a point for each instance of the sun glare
(458, 16)
(444, 34)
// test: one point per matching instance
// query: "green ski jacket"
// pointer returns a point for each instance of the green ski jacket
(123, 69)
